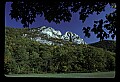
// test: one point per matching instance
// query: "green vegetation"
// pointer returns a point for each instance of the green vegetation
(25, 56)
(106, 44)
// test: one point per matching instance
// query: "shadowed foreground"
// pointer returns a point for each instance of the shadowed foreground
(68, 75)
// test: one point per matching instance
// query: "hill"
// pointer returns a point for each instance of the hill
(24, 55)
(109, 45)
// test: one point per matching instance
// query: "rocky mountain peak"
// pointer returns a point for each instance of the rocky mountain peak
(72, 37)
(52, 33)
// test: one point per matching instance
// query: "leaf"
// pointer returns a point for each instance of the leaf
(84, 28)
(96, 22)
(88, 28)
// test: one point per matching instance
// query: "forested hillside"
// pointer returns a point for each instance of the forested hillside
(23, 55)
(105, 44)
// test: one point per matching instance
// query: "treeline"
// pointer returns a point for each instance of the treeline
(23, 55)
(108, 45)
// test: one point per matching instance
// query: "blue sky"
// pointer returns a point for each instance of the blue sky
(75, 25)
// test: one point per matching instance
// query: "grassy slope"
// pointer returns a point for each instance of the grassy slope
(69, 75)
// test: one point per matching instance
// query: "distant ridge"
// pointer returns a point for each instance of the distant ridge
(109, 45)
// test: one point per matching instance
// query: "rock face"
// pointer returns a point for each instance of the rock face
(72, 37)
(49, 32)
(39, 39)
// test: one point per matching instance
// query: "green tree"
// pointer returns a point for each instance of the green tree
(106, 45)
(94, 59)
(23, 55)
(10, 65)
(110, 61)
(35, 62)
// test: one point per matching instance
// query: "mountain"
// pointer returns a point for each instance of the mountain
(109, 45)
(72, 37)
(25, 55)
(50, 32)
(48, 35)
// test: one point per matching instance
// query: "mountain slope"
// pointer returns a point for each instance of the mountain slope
(25, 56)
(105, 44)
(48, 35)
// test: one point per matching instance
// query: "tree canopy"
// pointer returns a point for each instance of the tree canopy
(57, 11)
(25, 56)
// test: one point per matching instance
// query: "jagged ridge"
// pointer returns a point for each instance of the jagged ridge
(46, 35)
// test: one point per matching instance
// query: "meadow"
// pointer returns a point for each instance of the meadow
(110, 74)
